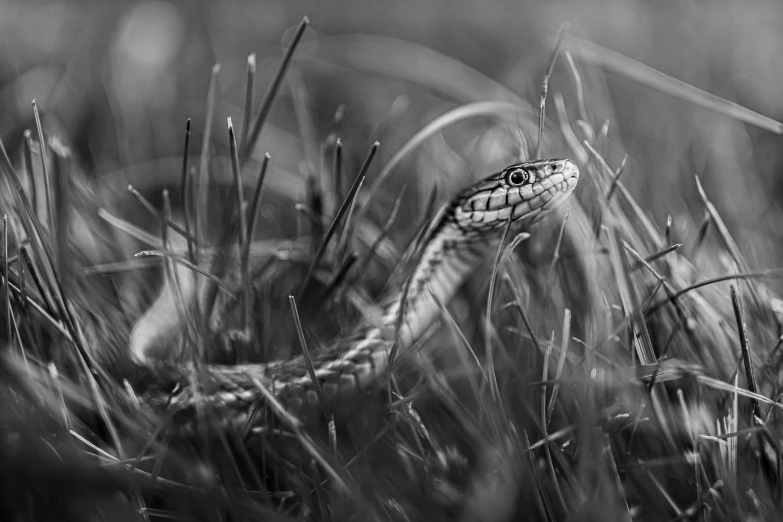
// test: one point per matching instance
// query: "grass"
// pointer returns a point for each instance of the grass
(610, 374)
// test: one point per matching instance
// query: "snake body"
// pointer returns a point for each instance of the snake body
(463, 233)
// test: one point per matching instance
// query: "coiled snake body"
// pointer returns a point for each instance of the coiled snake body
(464, 232)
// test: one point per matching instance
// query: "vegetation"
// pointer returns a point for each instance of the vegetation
(625, 367)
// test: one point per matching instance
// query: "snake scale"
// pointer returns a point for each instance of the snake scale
(464, 232)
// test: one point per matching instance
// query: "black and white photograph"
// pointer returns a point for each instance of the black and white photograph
(410, 260)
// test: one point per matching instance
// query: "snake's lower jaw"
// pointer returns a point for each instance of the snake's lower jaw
(570, 173)
(570, 185)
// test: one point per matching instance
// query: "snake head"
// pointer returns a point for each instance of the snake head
(523, 192)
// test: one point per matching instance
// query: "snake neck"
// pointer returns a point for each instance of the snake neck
(449, 257)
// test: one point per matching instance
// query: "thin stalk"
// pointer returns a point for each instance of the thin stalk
(384, 232)
(545, 86)
(490, 367)
(28, 165)
(747, 358)
(336, 221)
(6, 281)
(269, 96)
(200, 209)
(556, 255)
(185, 194)
(306, 354)
(250, 87)
(45, 167)
(243, 238)
(160, 217)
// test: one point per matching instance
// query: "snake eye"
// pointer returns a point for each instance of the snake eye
(516, 177)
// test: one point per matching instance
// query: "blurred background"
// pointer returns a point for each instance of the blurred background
(119, 79)
(116, 82)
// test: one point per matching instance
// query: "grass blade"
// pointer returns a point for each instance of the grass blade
(269, 96)
(565, 26)
(633, 70)
(347, 202)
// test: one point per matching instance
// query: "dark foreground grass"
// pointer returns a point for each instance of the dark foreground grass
(615, 376)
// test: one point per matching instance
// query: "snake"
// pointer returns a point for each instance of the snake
(460, 236)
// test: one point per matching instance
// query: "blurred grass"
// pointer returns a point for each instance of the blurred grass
(122, 77)
(116, 83)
